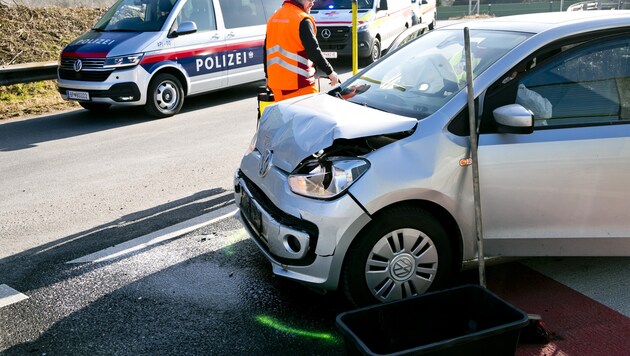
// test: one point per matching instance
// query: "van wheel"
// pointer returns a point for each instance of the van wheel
(95, 107)
(375, 53)
(165, 96)
(402, 253)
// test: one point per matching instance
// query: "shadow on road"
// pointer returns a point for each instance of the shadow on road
(24, 134)
(24, 270)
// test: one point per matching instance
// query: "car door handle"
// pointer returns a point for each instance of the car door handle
(215, 36)
(230, 35)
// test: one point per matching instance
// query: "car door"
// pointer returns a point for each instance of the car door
(563, 189)
(246, 25)
(199, 52)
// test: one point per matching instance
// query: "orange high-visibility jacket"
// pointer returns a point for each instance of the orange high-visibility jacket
(288, 67)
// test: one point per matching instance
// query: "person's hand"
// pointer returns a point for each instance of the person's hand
(334, 78)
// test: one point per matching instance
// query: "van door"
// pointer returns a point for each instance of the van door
(246, 24)
(200, 51)
(392, 21)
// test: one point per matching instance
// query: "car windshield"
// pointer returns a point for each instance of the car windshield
(421, 77)
(341, 4)
(135, 16)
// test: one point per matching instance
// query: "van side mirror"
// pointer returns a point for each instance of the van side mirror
(184, 28)
(382, 5)
(513, 118)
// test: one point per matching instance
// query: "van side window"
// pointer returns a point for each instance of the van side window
(243, 13)
(201, 13)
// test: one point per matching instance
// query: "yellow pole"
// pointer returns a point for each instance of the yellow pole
(355, 40)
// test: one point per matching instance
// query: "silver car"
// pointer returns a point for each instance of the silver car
(368, 188)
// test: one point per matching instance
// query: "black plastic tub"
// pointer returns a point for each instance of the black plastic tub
(466, 320)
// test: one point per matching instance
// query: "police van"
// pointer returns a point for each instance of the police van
(379, 22)
(157, 52)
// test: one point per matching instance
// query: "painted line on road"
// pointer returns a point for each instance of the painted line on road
(159, 236)
(10, 296)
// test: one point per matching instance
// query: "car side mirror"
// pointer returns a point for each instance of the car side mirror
(513, 118)
(184, 28)
(382, 5)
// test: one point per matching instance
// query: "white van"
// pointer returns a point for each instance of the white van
(156, 52)
(425, 11)
(379, 23)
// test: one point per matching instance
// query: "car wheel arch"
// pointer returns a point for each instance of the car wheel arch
(427, 211)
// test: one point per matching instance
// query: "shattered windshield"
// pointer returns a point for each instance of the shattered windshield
(422, 76)
(341, 4)
(135, 16)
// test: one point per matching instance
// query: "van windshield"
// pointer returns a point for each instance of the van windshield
(422, 76)
(135, 16)
(341, 4)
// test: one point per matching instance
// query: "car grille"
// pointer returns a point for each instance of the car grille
(279, 215)
(284, 219)
(92, 70)
(338, 34)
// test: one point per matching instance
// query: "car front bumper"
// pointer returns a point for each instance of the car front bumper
(309, 247)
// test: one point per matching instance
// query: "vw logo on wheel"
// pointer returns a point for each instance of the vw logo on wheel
(78, 65)
(326, 33)
(265, 163)
(402, 267)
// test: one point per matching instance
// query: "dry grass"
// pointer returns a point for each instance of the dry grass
(37, 35)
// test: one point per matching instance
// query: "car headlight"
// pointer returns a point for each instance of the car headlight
(327, 178)
(123, 61)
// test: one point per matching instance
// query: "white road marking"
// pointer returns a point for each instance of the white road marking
(9, 295)
(158, 236)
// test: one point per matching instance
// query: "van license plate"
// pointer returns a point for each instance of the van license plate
(78, 95)
(330, 54)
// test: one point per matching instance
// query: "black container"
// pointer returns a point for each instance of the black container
(466, 320)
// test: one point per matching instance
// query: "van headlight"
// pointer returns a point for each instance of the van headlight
(327, 178)
(123, 61)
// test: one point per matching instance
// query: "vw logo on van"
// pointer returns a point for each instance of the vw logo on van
(265, 163)
(78, 65)
(326, 33)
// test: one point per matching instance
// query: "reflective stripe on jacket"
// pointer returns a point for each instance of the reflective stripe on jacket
(288, 67)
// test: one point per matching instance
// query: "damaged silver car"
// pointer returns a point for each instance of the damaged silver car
(368, 188)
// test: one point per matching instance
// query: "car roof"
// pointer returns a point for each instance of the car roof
(541, 22)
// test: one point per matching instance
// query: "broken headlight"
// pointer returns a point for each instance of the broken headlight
(328, 177)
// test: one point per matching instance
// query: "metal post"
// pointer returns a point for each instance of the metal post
(472, 121)
(355, 39)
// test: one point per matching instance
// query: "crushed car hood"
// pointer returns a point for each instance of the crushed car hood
(295, 129)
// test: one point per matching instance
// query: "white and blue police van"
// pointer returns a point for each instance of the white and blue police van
(157, 52)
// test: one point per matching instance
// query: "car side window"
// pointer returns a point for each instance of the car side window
(589, 84)
(579, 84)
(242, 13)
(201, 13)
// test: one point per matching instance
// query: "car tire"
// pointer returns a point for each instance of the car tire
(165, 96)
(375, 52)
(403, 252)
(95, 107)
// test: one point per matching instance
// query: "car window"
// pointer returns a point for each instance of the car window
(243, 13)
(589, 84)
(201, 13)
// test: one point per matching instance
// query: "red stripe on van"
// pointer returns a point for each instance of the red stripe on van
(204, 51)
(84, 54)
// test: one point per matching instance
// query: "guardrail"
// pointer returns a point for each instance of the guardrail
(27, 72)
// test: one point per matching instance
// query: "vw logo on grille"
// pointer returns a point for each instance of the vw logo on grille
(78, 65)
(326, 33)
(265, 163)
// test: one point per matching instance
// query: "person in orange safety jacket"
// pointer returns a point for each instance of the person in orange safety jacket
(292, 51)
